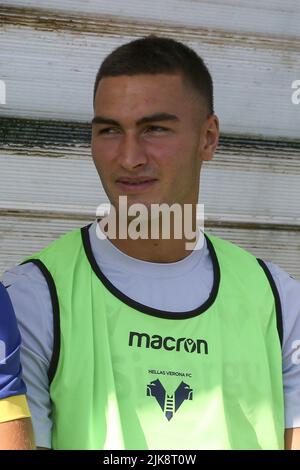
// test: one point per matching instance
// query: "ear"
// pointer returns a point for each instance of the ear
(210, 137)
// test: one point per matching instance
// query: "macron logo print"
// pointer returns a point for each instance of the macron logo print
(143, 340)
(169, 403)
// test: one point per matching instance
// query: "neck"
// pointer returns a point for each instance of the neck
(179, 243)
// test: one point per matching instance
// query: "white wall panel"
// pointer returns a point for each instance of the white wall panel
(237, 194)
(52, 76)
(275, 17)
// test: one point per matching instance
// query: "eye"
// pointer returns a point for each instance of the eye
(108, 131)
(158, 129)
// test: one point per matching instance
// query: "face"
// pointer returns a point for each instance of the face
(150, 135)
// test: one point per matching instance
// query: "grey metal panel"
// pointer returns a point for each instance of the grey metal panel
(20, 237)
(62, 139)
(246, 193)
(53, 72)
(276, 17)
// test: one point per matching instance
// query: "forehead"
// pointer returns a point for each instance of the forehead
(133, 93)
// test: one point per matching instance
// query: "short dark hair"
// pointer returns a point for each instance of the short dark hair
(152, 55)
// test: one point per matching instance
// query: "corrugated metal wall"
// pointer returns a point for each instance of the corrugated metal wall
(50, 52)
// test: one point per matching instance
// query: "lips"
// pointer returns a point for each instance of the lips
(135, 181)
(135, 184)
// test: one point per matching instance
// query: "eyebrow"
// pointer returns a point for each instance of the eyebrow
(144, 120)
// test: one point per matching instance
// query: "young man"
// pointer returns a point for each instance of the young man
(141, 343)
(15, 425)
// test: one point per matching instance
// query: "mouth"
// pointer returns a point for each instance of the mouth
(135, 185)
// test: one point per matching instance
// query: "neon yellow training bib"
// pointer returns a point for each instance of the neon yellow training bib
(127, 376)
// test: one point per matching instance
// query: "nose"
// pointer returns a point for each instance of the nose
(132, 154)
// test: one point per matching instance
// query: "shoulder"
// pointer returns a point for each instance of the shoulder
(240, 266)
(283, 279)
(32, 304)
(289, 292)
(25, 284)
(64, 245)
(228, 249)
(28, 280)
